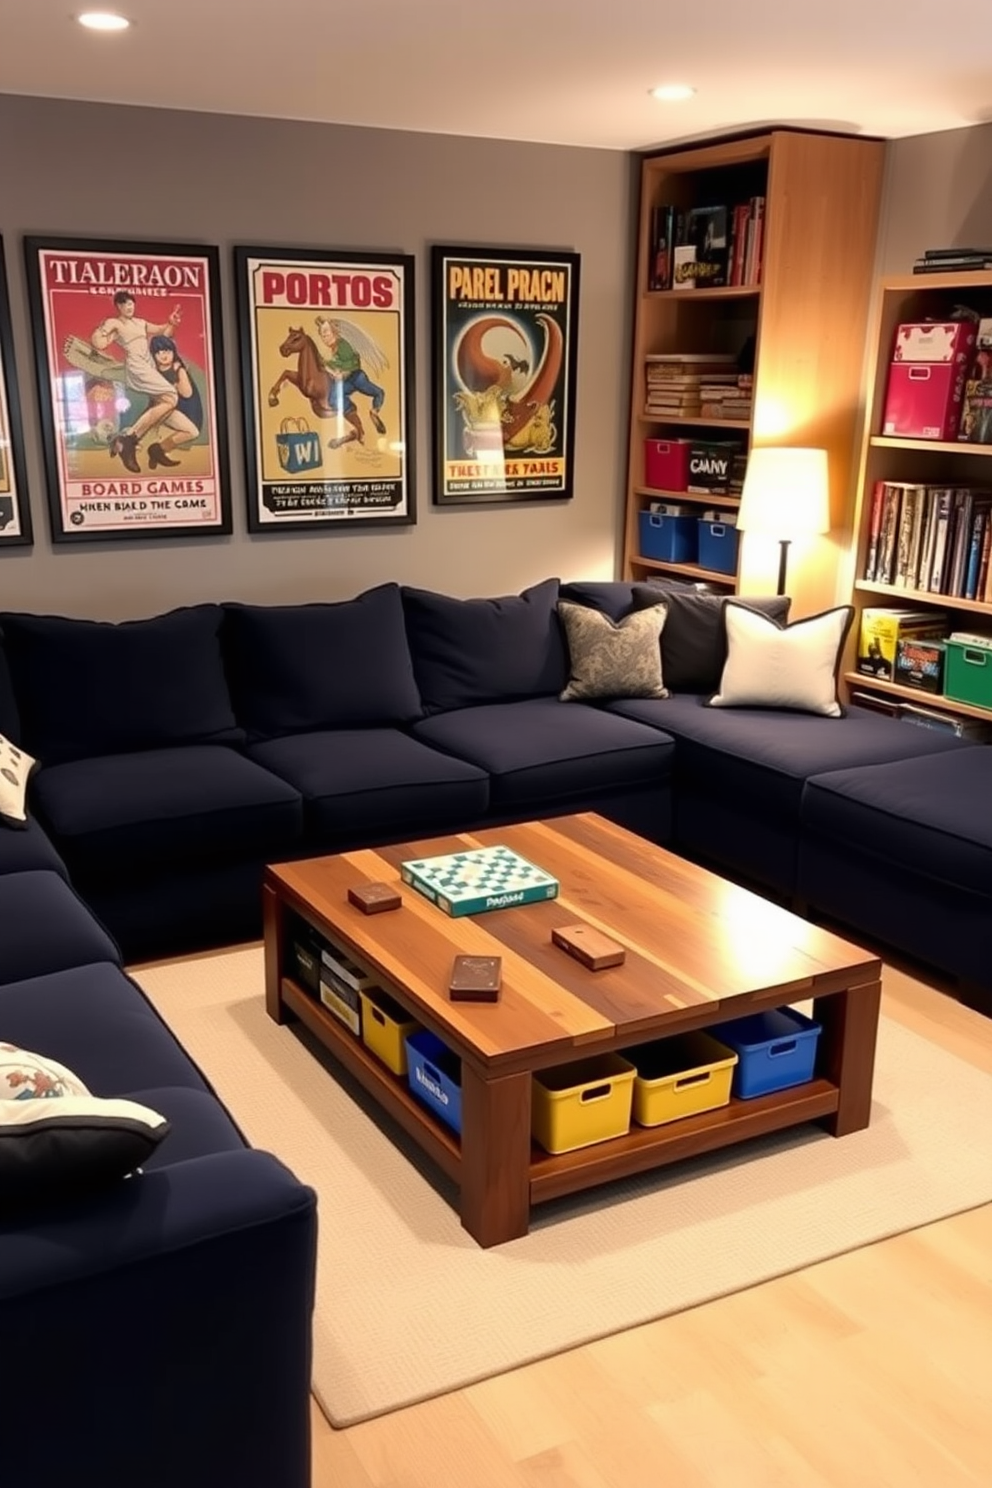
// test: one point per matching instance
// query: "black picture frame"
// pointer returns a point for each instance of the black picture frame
(107, 479)
(505, 340)
(317, 327)
(15, 509)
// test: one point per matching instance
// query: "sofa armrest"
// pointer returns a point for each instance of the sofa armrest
(177, 1312)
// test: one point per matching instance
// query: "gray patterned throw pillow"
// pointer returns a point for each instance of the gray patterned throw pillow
(613, 658)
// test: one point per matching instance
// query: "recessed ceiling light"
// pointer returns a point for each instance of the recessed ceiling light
(672, 92)
(103, 20)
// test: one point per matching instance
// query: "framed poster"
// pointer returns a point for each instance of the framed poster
(130, 380)
(327, 382)
(15, 514)
(505, 337)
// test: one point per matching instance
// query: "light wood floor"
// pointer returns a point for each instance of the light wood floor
(870, 1370)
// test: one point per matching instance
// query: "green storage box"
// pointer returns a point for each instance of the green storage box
(968, 671)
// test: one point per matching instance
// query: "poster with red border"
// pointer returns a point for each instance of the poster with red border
(327, 388)
(15, 514)
(128, 355)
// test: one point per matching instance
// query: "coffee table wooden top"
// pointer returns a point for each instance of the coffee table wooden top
(696, 945)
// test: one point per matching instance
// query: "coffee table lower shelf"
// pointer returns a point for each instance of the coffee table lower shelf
(554, 1176)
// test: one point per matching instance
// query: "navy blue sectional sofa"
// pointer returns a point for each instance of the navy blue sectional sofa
(177, 755)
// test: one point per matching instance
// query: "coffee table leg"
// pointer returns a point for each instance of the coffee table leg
(847, 1054)
(495, 1187)
(272, 929)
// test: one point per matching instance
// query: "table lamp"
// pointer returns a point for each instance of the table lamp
(785, 495)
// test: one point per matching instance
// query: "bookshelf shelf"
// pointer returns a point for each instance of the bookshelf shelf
(723, 292)
(930, 446)
(892, 595)
(697, 498)
(695, 423)
(687, 570)
(917, 697)
(811, 202)
(898, 469)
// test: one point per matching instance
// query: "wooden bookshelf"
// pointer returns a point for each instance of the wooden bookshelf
(908, 298)
(807, 314)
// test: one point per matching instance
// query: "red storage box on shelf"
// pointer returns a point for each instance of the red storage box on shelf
(666, 463)
(927, 374)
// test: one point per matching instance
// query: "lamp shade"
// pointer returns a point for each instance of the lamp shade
(786, 493)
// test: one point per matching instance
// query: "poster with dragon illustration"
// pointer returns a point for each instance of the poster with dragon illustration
(130, 380)
(505, 337)
(326, 358)
(15, 514)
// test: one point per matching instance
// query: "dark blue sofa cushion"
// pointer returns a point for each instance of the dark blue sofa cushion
(471, 651)
(297, 668)
(763, 758)
(373, 784)
(96, 1021)
(45, 926)
(544, 751)
(28, 848)
(931, 817)
(10, 721)
(88, 687)
(126, 814)
(739, 776)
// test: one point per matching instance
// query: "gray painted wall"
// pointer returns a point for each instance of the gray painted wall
(937, 194)
(95, 170)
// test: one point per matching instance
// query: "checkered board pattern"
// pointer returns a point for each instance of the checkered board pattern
(473, 881)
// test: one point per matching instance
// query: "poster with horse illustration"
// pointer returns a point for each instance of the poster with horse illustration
(15, 514)
(505, 337)
(128, 354)
(327, 387)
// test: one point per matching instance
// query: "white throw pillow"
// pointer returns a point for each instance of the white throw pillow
(15, 767)
(58, 1142)
(782, 666)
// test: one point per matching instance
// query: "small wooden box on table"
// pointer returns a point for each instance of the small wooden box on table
(699, 951)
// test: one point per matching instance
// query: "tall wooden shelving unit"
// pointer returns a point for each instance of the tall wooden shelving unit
(914, 297)
(808, 314)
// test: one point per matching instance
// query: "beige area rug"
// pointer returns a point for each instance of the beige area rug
(408, 1306)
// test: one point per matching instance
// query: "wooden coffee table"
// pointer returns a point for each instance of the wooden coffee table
(699, 951)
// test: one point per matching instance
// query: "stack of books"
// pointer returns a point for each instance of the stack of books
(727, 397)
(675, 382)
(953, 261)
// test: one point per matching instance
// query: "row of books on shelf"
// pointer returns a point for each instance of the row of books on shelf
(706, 247)
(697, 386)
(930, 538)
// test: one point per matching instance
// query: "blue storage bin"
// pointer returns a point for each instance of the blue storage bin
(718, 547)
(674, 539)
(774, 1050)
(435, 1076)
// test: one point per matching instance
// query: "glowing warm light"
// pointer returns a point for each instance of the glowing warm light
(672, 92)
(103, 20)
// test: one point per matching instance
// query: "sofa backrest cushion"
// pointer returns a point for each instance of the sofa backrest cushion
(10, 722)
(612, 597)
(694, 639)
(89, 687)
(471, 651)
(298, 668)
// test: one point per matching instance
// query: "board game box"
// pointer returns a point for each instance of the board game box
(478, 880)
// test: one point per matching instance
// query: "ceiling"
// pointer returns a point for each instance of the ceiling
(569, 72)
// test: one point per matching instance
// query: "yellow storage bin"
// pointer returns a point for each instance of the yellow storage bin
(680, 1076)
(385, 1027)
(581, 1103)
